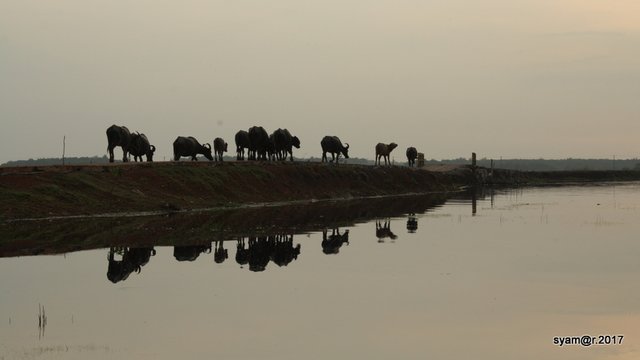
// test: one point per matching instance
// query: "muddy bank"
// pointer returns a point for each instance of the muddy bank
(41, 192)
(75, 190)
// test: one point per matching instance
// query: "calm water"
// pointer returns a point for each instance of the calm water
(446, 283)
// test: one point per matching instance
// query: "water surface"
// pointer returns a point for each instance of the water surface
(497, 276)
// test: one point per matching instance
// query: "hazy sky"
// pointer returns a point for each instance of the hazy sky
(528, 78)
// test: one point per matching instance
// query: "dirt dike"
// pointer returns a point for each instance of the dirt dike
(58, 191)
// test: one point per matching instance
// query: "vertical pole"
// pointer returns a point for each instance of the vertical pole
(64, 145)
(473, 159)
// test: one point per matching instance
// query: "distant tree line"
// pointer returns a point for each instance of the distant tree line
(549, 165)
(512, 164)
(58, 161)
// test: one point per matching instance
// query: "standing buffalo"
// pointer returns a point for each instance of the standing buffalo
(118, 136)
(259, 143)
(333, 145)
(219, 147)
(272, 154)
(412, 154)
(284, 143)
(383, 151)
(189, 146)
(242, 142)
(139, 145)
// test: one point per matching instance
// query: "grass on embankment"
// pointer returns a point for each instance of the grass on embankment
(78, 190)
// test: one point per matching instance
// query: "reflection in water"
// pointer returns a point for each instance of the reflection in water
(190, 252)
(383, 230)
(42, 321)
(131, 259)
(331, 244)
(242, 253)
(412, 223)
(220, 253)
(276, 248)
(28, 238)
(506, 275)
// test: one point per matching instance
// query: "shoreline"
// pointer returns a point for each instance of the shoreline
(49, 192)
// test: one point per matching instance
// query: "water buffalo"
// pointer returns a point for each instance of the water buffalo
(242, 142)
(412, 154)
(219, 147)
(272, 155)
(139, 146)
(383, 151)
(118, 136)
(189, 146)
(284, 143)
(259, 143)
(333, 145)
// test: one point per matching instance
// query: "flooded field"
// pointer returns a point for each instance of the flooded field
(486, 275)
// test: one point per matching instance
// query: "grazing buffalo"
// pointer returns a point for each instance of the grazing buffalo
(412, 155)
(242, 142)
(219, 147)
(284, 143)
(272, 155)
(259, 143)
(139, 146)
(383, 151)
(118, 136)
(333, 145)
(189, 146)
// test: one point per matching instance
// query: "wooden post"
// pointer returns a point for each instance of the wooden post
(64, 141)
(473, 159)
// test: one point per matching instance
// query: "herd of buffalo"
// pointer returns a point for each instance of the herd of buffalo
(256, 252)
(258, 143)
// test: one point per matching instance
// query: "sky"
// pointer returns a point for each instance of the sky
(502, 78)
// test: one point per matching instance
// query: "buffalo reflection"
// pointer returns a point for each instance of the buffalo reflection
(412, 223)
(331, 244)
(190, 252)
(261, 249)
(220, 254)
(383, 230)
(132, 259)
